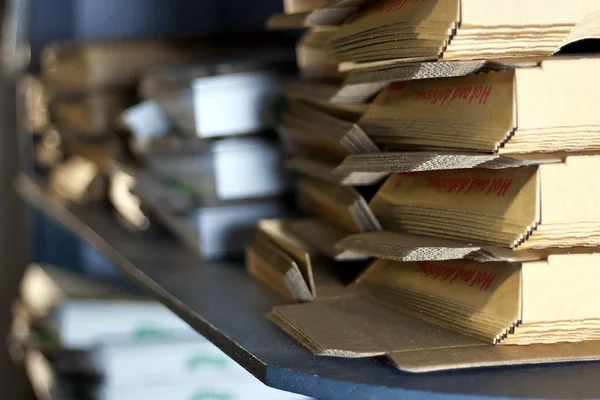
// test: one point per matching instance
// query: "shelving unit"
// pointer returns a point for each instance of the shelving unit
(233, 319)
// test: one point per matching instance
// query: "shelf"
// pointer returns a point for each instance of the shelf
(226, 306)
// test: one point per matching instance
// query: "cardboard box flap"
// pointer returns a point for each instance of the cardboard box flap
(510, 194)
(494, 356)
(588, 28)
(271, 265)
(357, 327)
(468, 291)
(407, 247)
(280, 232)
(395, 162)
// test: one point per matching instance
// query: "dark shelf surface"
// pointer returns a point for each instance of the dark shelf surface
(226, 306)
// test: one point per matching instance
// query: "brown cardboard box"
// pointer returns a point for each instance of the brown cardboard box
(416, 30)
(549, 205)
(535, 108)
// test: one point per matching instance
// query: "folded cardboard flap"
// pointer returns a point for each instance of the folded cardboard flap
(356, 327)
(550, 205)
(513, 193)
(281, 233)
(498, 302)
(422, 361)
(474, 291)
(273, 267)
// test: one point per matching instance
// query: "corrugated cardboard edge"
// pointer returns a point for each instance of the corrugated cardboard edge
(407, 247)
(494, 356)
(413, 71)
(395, 162)
(368, 169)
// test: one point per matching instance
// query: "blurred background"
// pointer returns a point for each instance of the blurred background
(127, 104)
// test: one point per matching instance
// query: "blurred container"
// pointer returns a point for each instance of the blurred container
(215, 101)
(213, 231)
(222, 170)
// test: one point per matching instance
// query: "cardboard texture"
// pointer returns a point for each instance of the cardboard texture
(279, 258)
(368, 169)
(357, 327)
(415, 30)
(534, 207)
(535, 109)
(406, 247)
(340, 206)
(326, 133)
